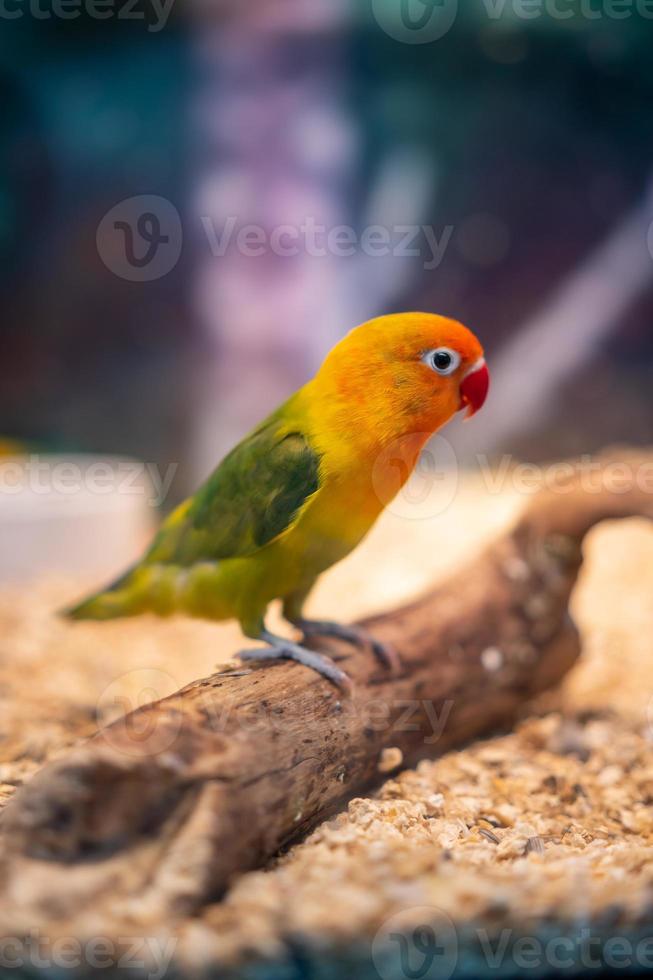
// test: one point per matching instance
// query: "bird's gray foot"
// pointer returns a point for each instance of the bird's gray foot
(358, 637)
(282, 649)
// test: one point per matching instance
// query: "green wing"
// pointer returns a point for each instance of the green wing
(253, 496)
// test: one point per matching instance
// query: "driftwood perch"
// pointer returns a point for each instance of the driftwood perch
(159, 810)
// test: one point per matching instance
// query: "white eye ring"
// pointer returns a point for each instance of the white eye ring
(437, 360)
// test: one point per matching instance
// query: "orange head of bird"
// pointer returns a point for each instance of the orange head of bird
(407, 372)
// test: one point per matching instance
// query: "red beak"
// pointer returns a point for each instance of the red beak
(474, 388)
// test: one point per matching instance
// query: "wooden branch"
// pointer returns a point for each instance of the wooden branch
(156, 813)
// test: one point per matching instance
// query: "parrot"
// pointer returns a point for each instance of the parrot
(302, 490)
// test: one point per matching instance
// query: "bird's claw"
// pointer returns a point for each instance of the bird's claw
(355, 635)
(318, 662)
(386, 654)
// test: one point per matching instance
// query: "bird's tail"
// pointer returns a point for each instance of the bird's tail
(117, 600)
(147, 587)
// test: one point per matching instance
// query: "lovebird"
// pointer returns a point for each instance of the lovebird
(305, 486)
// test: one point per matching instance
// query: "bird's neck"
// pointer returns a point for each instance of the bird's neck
(354, 435)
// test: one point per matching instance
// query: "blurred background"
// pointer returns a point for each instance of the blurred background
(198, 200)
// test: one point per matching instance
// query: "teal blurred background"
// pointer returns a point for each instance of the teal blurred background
(509, 156)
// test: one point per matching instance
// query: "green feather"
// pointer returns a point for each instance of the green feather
(253, 496)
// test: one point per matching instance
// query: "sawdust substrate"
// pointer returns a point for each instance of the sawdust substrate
(538, 831)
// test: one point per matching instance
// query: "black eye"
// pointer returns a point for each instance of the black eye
(442, 360)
